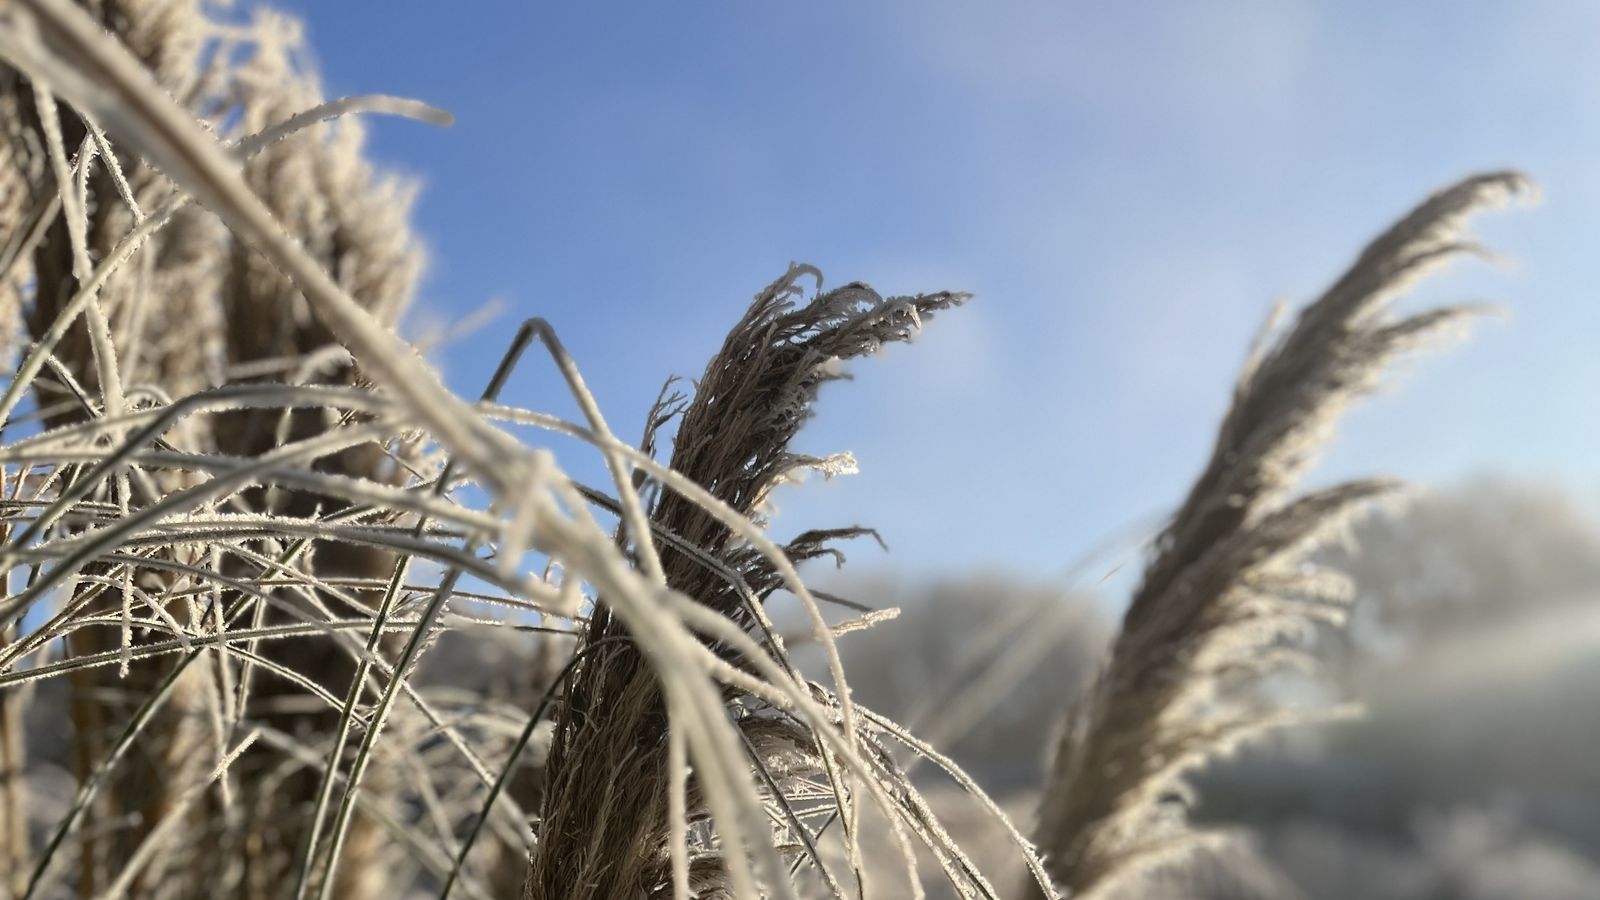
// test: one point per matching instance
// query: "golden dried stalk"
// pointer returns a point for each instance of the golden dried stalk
(1225, 583)
(605, 828)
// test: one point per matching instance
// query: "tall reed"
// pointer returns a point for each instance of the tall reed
(605, 829)
(1226, 590)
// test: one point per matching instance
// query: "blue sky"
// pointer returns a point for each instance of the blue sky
(1127, 188)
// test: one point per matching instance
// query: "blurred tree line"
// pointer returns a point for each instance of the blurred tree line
(1473, 648)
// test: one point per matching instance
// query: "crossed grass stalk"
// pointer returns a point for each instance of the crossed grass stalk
(57, 48)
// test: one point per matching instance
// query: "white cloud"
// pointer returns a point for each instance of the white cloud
(1151, 61)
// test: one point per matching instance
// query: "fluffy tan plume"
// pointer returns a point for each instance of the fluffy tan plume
(1225, 583)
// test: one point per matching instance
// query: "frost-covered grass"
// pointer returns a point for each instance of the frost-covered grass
(240, 511)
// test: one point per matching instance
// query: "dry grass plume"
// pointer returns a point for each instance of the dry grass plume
(1226, 582)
